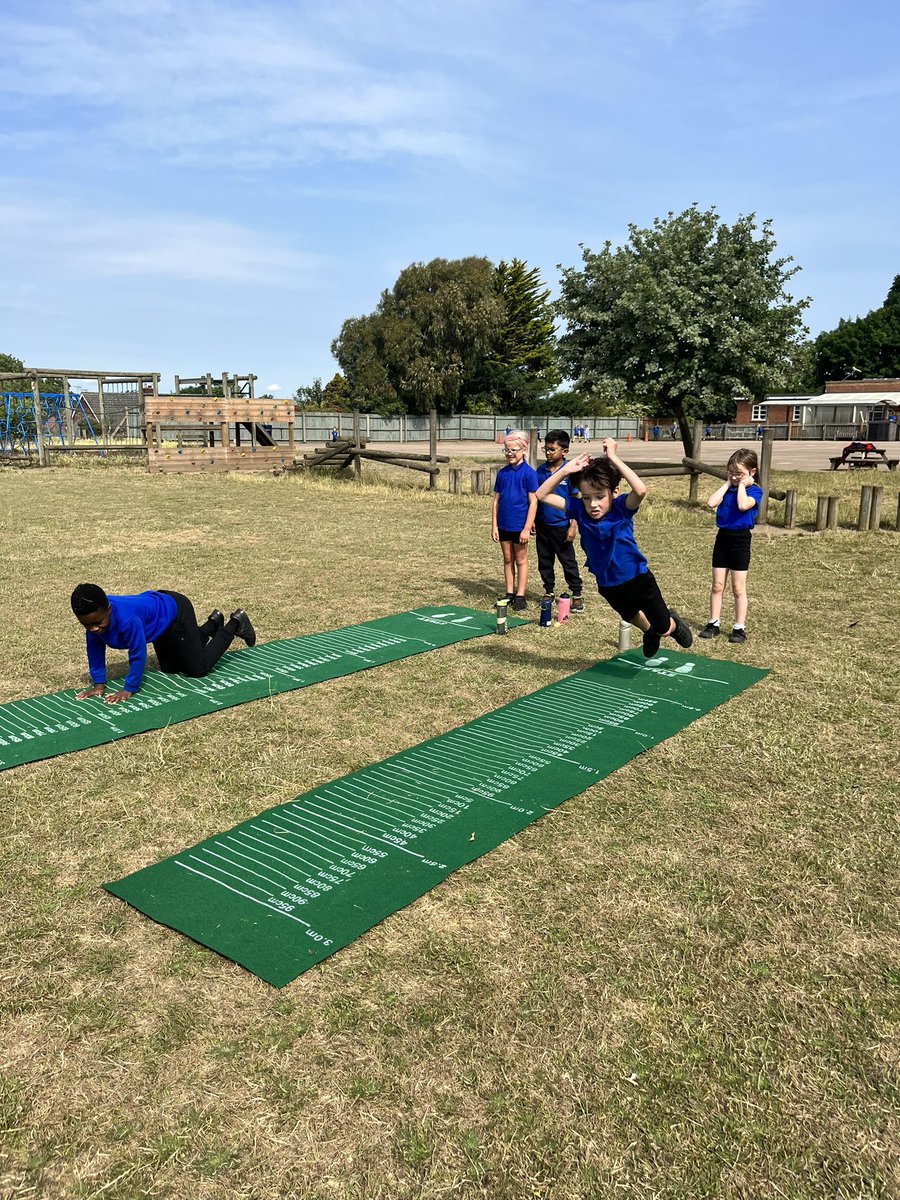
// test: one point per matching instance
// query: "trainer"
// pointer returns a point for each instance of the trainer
(166, 619)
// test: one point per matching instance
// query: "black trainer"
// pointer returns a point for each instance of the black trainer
(737, 635)
(216, 619)
(651, 643)
(244, 629)
(519, 602)
(577, 604)
(681, 633)
(710, 630)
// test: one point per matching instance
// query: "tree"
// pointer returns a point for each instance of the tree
(337, 393)
(520, 369)
(425, 342)
(868, 347)
(686, 314)
(312, 396)
(9, 362)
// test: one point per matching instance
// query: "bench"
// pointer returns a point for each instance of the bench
(859, 462)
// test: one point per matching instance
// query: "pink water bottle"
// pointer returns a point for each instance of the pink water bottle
(563, 605)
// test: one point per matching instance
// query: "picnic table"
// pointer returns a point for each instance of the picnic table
(860, 455)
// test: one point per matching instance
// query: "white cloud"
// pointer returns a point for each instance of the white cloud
(210, 81)
(58, 237)
(274, 387)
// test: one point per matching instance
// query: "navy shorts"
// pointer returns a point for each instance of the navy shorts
(732, 549)
(640, 594)
(507, 535)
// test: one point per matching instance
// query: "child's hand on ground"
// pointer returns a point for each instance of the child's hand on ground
(117, 697)
(89, 693)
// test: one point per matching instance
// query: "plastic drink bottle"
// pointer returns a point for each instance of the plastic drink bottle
(500, 609)
(546, 618)
(563, 607)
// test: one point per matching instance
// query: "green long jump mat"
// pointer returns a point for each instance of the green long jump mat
(295, 884)
(46, 726)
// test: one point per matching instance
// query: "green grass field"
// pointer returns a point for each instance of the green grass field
(684, 983)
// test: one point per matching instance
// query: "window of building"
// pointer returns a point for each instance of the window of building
(758, 413)
(797, 413)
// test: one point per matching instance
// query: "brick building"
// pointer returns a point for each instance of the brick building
(847, 404)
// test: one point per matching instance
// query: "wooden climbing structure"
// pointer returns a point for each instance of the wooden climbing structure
(211, 433)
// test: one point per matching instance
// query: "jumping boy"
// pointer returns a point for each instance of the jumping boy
(164, 618)
(554, 531)
(512, 515)
(606, 524)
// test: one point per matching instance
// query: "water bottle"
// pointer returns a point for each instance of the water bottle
(563, 607)
(546, 618)
(500, 609)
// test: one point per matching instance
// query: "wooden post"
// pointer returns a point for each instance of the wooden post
(831, 517)
(357, 461)
(492, 479)
(532, 447)
(478, 481)
(67, 412)
(765, 470)
(875, 514)
(102, 407)
(898, 511)
(454, 475)
(790, 508)
(432, 447)
(865, 506)
(821, 512)
(38, 421)
(696, 446)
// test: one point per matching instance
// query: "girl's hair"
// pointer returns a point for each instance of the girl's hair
(599, 473)
(517, 436)
(744, 458)
(87, 598)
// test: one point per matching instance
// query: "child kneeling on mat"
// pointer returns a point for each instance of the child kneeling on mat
(606, 525)
(164, 618)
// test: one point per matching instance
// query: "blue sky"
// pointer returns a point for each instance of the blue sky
(207, 185)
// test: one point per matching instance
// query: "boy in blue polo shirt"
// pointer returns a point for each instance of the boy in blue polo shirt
(164, 618)
(512, 515)
(554, 533)
(606, 524)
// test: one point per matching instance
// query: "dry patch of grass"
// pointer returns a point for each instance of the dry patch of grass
(684, 983)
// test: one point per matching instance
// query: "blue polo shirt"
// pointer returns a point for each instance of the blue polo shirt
(611, 552)
(546, 513)
(729, 516)
(512, 486)
(133, 622)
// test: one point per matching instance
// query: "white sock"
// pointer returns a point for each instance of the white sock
(714, 622)
(739, 627)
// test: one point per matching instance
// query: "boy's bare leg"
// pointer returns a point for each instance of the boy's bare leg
(639, 621)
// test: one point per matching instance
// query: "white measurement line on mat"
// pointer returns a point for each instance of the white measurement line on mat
(286, 832)
(344, 847)
(268, 907)
(264, 838)
(367, 793)
(363, 835)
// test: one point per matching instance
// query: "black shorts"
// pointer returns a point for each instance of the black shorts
(640, 594)
(732, 549)
(508, 535)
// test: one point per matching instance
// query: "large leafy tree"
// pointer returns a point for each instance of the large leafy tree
(684, 315)
(425, 340)
(456, 335)
(868, 346)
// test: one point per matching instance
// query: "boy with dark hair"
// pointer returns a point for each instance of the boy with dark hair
(164, 618)
(554, 531)
(606, 524)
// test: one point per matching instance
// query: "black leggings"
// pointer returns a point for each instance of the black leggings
(188, 648)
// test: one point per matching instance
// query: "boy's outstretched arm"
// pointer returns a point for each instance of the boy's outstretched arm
(549, 486)
(637, 485)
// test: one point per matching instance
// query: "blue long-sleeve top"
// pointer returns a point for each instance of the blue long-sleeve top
(133, 622)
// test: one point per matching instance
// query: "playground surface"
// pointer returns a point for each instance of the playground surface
(680, 983)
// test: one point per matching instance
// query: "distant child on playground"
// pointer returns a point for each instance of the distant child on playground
(512, 515)
(736, 505)
(606, 524)
(555, 532)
